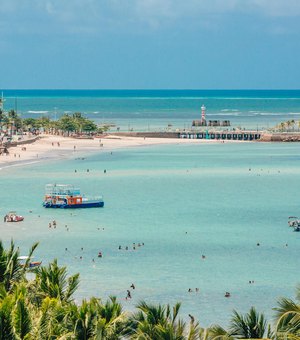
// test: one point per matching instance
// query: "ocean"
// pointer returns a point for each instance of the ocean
(174, 203)
(158, 110)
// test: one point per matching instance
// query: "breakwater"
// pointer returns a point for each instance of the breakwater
(259, 136)
(221, 135)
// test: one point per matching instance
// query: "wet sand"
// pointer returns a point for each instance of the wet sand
(58, 147)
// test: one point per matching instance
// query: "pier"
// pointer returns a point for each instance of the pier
(249, 135)
(209, 134)
(222, 135)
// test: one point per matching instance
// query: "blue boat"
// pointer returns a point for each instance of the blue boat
(66, 196)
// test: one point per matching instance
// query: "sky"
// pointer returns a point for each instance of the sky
(149, 44)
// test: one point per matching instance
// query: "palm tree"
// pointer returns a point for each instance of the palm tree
(11, 269)
(14, 120)
(282, 126)
(156, 322)
(50, 320)
(6, 325)
(288, 317)
(52, 282)
(1, 118)
(93, 320)
(111, 323)
(83, 319)
(288, 124)
(252, 325)
(21, 314)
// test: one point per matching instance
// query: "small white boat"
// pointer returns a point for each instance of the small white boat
(294, 222)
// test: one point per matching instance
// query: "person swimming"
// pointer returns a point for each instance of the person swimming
(132, 286)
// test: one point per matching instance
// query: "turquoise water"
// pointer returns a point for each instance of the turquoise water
(155, 110)
(182, 202)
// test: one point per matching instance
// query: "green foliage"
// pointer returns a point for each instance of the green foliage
(67, 123)
(52, 282)
(89, 126)
(11, 270)
(288, 317)
(6, 324)
(252, 325)
(43, 308)
(30, 123)
(156, 322)
(75, 123)
(21, 317)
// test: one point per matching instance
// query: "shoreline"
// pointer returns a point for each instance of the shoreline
(52, 147)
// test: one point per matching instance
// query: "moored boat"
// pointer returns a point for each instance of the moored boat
(25, 261)
(66, 196)
(35, 264)
(13, 217)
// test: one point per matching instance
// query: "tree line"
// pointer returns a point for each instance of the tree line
(68, 124)
(44, 308)
(288, 126)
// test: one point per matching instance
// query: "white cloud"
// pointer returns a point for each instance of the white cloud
(89, 16)
(278, 8)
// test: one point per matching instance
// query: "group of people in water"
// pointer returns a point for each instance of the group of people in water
(128, 296)
(134, 246)
(53, 224)
(190, 290)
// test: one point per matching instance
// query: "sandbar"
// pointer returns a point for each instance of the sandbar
(58, 147)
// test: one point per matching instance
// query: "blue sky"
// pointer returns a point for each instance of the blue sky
(150, 44)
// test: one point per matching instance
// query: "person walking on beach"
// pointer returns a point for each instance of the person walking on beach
(128, 294)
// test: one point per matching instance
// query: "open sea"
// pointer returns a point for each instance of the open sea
(156, 110)
(180, 201)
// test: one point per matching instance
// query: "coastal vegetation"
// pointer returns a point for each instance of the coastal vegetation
(67, 124)
(288, 126)
(44, 307)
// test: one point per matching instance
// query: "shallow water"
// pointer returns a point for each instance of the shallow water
(181, 201)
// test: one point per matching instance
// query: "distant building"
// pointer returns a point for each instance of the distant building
(203, 121)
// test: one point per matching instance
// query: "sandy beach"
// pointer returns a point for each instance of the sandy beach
(58, 147)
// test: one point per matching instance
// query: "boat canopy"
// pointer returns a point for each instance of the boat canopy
(24, 257)
(61, 189)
